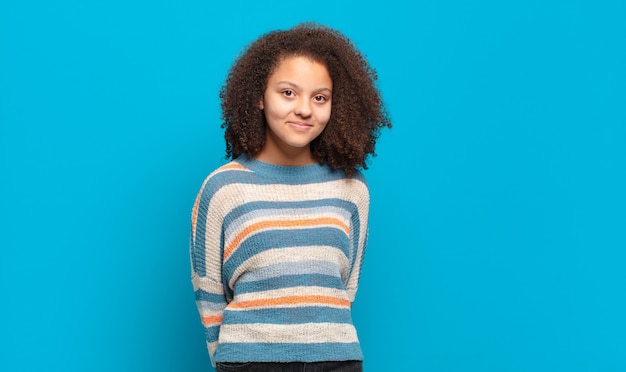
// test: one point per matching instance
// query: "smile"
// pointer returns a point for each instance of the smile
(298, 125)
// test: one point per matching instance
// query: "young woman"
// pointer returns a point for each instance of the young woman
(279, 232)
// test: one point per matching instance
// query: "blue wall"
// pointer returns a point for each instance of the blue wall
(499, 210)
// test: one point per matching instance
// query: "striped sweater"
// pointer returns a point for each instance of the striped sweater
(276, 254)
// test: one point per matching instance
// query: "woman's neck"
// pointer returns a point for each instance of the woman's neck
(286, 155)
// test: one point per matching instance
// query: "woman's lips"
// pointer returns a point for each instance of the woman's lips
(298, 125)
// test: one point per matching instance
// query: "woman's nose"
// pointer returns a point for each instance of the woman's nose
(303, 108)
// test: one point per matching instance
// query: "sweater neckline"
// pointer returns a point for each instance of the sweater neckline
(284, 172)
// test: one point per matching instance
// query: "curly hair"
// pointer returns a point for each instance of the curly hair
(357, 112)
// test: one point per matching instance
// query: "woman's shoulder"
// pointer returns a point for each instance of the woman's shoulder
(359, 176)
(224, 175)
(231, 168)
(357, 180)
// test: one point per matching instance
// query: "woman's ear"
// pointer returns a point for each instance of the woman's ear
(261, 104)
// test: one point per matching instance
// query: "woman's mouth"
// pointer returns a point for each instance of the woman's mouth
(299, 125)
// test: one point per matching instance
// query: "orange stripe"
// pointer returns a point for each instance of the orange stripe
(232, 166)
(291, 300)
(281, 224)
(206, 320)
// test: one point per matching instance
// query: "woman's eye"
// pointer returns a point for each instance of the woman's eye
(320, 99)
(288, 93)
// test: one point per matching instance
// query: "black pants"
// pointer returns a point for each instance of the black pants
(342, 366)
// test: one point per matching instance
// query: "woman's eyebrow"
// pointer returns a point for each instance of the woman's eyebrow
(297, 87)
(327, 90)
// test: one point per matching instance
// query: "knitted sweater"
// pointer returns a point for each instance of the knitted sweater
(276, 253)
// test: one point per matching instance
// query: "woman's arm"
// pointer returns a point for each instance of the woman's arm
(205, 248)
(358, 231)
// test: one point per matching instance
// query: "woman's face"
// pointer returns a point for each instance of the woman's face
(297, 105)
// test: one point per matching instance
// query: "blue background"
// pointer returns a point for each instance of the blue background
(498, 214)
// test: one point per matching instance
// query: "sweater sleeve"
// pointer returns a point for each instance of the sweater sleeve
(205, 253)
(359, 231)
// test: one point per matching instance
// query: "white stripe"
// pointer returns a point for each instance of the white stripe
(291, 268)
(206, 284)
(297, 254)
(288, 333)
(206, 308)
(346, 189)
